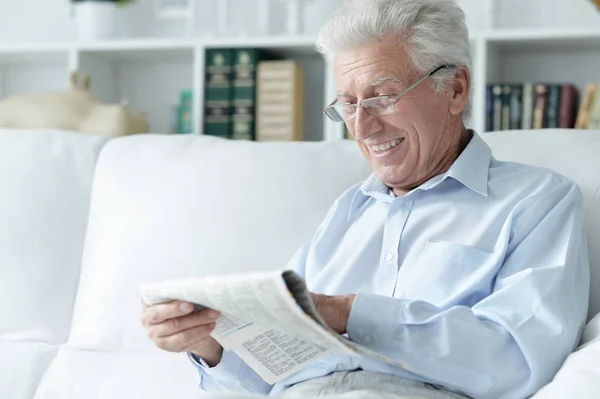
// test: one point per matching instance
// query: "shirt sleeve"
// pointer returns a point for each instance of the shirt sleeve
(513, 342)
(232, 374)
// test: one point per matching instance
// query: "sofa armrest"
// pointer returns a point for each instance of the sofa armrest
(579, 376)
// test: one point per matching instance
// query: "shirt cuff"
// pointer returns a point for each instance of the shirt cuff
(229, 365)
(374, 330)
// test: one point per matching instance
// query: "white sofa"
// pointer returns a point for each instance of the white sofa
(83, 221)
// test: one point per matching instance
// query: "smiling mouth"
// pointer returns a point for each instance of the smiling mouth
(386, 146)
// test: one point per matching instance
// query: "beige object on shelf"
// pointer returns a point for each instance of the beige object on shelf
(75, 109)
(280, 101)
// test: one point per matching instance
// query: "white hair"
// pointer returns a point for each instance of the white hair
(434, 32)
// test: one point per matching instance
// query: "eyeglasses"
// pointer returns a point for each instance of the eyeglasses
(381, 105)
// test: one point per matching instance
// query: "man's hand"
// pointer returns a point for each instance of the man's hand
(173, 327)
(335, 310)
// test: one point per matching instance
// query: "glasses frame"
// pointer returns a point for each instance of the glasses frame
(331, 112)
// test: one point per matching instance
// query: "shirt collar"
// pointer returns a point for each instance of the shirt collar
(471, 169)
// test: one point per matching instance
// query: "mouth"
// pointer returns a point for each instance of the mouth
(385, 147)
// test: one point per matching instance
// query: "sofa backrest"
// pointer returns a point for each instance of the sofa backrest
(170, 207)
(45, 184)
(574, 154)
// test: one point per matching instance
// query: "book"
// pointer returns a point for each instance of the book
(594, 118)
(527, 118)
(244, 93)
(583, 116)
(280, 101)
(497, 95)
(267, 318)
(506, 98)
(568, 107)
(540, 106)
(552, 114)
(217, 93)
(516, 107)
(489, 108)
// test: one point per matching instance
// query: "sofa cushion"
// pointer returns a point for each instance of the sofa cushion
(574, 154)
(579, 377)
(76, 374)
(171, 207)
(45, 178)
(22, 365)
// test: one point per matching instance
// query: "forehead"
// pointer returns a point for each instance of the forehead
(357, 69)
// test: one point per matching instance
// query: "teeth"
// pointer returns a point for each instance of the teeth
(386, 146)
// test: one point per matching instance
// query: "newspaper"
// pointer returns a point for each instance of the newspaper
(267, 318)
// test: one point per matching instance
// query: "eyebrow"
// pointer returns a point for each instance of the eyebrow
(376, 83)
(385, 79)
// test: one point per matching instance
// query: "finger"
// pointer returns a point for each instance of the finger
(177, 324)
(177, 342)
(158, 313)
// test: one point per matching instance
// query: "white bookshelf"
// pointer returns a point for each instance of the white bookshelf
(151, 72)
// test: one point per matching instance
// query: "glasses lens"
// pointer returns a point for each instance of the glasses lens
(334, 114)
(378, 105)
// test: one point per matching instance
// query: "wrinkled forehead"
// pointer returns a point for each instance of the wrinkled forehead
(360, 69)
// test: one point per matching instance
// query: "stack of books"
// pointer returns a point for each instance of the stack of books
(250, 96)
(531, 106)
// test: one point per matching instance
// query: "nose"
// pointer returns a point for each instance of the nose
(364, 124)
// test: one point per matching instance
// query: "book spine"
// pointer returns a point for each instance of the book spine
(527, 118)
(568, 107)
(553, 106)
(594, 118)
(280, 101)
(583, 116)
(489, 108)
(244, 93)
(540, 106)
(217, 93)
(516, 107)
(497, 91)
(506, 97)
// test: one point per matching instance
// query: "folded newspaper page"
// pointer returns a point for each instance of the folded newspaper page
(267, 318)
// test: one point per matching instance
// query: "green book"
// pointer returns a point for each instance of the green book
(553, 111)
(218, 93)
(245, 67)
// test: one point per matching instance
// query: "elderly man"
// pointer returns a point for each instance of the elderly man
(470, 272)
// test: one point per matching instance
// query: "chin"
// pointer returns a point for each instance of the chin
(390, 175)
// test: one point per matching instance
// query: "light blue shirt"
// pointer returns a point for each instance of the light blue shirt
(478, 280)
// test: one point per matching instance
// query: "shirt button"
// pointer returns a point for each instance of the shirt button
(389, 256)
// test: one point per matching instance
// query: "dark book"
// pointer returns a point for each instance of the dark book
(217, 93)
(245, 67)
(540, 105)
(489, 109)
(506, 98)
(554, 92)
(568, 107)
(516, 107)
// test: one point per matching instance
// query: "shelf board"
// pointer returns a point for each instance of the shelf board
(157, 48)
(544, 39)
(140, 49)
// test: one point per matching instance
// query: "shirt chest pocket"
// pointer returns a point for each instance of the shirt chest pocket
(446, 273)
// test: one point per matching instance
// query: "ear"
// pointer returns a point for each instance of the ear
(460, 89)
